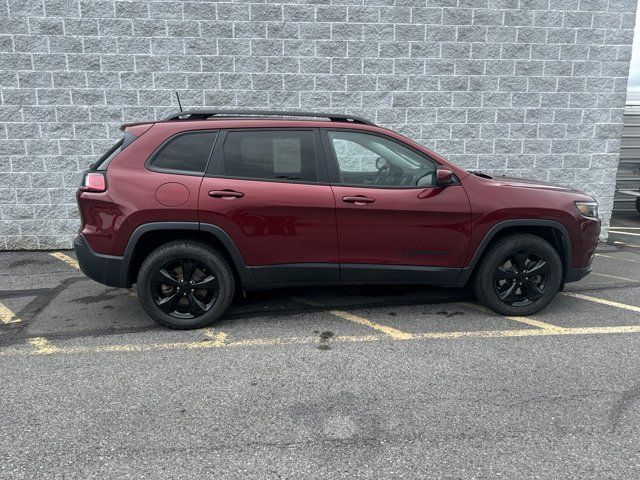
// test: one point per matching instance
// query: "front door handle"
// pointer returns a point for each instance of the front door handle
(225, 194)
(358, 199)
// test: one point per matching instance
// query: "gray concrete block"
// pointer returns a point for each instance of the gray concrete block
(552, 74)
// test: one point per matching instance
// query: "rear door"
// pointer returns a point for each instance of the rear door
(268, 189)
(394, 223)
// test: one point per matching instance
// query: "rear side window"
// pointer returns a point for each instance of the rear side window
(285, 155)
(103, 162)
(185, 153)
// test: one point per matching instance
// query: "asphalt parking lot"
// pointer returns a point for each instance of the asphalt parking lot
(384, 382)
(625, 229)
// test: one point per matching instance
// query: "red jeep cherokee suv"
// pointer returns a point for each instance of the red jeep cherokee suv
(204, 203)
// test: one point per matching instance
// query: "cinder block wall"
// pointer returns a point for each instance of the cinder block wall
(527, 87)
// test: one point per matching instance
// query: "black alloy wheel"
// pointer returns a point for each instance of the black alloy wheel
(184, 288)
(521, 278)
(518, 275)
(185, 284)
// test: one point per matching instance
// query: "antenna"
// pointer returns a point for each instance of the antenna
(178, 97)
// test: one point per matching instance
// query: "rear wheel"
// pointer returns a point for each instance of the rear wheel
(185, 284)
(638, 204)
(519, 275)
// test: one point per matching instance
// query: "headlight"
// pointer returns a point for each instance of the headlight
(588, 209)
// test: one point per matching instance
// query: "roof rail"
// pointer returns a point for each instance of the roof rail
(205, 114)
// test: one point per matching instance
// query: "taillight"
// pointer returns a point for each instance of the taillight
(94, 182)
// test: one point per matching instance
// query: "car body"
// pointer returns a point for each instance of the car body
(417, 219)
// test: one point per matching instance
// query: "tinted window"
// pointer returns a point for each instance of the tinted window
(368, 159)
(187, 152)
(270, 155)
(103, 162)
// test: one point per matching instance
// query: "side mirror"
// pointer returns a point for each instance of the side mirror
(444, 177)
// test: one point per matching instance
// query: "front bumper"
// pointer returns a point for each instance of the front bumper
(575, 274)
(109, 270)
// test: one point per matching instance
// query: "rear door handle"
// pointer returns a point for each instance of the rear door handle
(225, 194)
(358, 199)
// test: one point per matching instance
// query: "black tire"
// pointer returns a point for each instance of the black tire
(638, 204)
(183, 262)
(499, 275)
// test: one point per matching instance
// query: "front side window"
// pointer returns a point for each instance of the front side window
(371, 160)
(270, 155)
(185, 153)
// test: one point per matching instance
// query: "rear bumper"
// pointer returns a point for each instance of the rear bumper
(106, 269)
(575, 274)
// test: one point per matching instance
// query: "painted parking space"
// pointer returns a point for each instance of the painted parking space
(610, 268)
(374, 330)
(442, 318)
(7, 315)
(587, 309)
(614, 263)
(315, 365)
(618, 255)
(621, 298)
(320, 324)
(29, 270)
(80, 316)
(86, 306)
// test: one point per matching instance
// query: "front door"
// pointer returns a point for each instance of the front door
(264, 189)
(393, 223)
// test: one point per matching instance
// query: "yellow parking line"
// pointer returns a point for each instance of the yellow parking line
(43, 346)
(485, 334)
(616, 258)
(252, 342)
(537, 323)
(525, 320)
(605, 330)
(603, 301)
(392, 332)
(613, 276)
(7, 315)
(216, 337)
(538, 332)
(66, 259)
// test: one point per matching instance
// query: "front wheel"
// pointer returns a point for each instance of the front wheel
(185, 284)
(519, 275)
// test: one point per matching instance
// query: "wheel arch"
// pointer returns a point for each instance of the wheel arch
(550, 230)
(149, 236)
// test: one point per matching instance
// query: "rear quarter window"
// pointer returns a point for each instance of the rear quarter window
(103, 162)
(186, 153)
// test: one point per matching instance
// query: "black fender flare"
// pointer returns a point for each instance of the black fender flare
(466, 272)
(245, 273)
